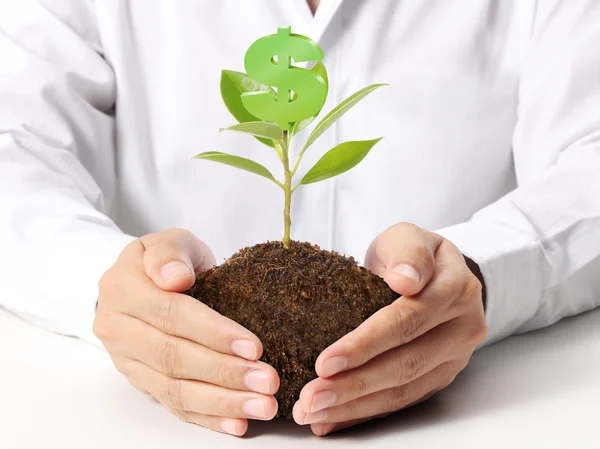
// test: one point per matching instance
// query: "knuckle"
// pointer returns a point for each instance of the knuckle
(407, 226)
(460, 293)
(406, 322)
(124, 368)
(179, 232)
(466, 290)
(222, 374)
(449, 371)
(172, 395)
(218, 373)
(463, 364)
(183, 416)
(471, 288)
(164, 242)
(398, 398)
(101, 327)
(429, 395)
(422, 257)
(166, 311)
(359, 385)
(166, 245)
(176, 236)
(150, 240)
(168, 356)
(453, 289)
(222, 404)
(410, 365)
(448, 380)
(105, 282)
(350, 409)
(479, 332)
(108, 287)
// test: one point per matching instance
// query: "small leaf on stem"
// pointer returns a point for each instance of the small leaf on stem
(265, 130)
(238, 162)
(233, 85)
(338, 160)
(338, 112)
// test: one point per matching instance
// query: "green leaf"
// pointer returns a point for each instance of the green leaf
(233, 85)
(338, 112)
(265, 130)
(238, 162)
(339, 159)
(318, 69)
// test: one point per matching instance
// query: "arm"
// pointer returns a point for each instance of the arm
(57, 171)
(539, 246)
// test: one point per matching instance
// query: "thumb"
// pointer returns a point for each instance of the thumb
(404, 256)
(173, 257)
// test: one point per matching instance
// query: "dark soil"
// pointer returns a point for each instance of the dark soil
(298, 301)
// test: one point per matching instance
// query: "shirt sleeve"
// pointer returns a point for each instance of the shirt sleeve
(57, 163)
(539, 246)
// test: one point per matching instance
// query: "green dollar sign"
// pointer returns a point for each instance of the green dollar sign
(310, 89)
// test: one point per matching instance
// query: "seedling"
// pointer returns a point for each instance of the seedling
(275, 101)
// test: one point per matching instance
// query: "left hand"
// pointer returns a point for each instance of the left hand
(407, 351)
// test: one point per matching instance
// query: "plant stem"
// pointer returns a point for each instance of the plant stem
(287, 191)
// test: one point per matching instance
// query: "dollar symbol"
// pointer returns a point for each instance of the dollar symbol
(310, 89)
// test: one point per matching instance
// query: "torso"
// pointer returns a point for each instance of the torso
(448, 116)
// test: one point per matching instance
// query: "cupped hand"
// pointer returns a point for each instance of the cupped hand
(200, 365)
(407, 351)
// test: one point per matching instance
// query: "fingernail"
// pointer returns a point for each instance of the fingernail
(407, 271)
(245, 349)
(312, 418)
(174, 270)
(334, 365)
(231, 427)
(255, 407)
(258, 381)
(322, 400)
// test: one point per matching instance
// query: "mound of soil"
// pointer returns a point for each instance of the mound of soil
(298, 301)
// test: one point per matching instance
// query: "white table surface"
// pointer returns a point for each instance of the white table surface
(540, 390)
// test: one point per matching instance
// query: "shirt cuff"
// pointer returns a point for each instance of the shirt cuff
(66, 301)
(509, 262)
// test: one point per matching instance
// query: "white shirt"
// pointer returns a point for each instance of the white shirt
(492, 126)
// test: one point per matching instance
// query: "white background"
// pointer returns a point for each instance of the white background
(540, 390)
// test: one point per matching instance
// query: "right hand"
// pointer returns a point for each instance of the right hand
(200, 365)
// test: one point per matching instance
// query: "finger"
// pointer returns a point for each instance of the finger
(393, 368)
(236, 427)
(381, 402)
(203, 398)
(321, 430)
(404, 255)
(173, 313)
(123, 365)
(230, 426)
(392, 326)
(173, 257)
(183, 359)
(448, 295)
(177, 315)
(453, 281)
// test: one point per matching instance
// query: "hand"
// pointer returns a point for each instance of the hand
(200, 365)
(408, 350)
